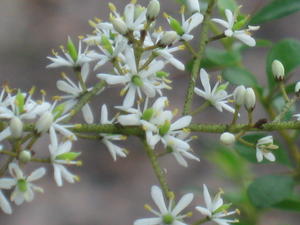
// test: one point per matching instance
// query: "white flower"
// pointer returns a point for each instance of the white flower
(72, 57)
(74, 92)
(243, 35)
(190, 24)
(215, 209)
(132, 21)
(24, 188)
(21, 108)
(264, 147)
(110, 50)
(136, 81)
(50, 121)
(180, 152)
(166, 215)
(108, 138)
(217, 96)
(61, 155)
(250, 99)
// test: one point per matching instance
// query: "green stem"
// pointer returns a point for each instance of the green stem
(217, 37)
(85, 98)
(197, 62)
(286, 108)
(283, 91)
(200, 108)
(157, 170)
(190, 48)
(247, 143)
(236, 114)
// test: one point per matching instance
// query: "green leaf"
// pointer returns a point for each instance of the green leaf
(227, 4)
(215, 57)
(269, 190)
(240, 76)
(288, 53)
(249, 153)
(275, 10)
(72, 49)
(20, 101)
(229, 162)
(289, 204)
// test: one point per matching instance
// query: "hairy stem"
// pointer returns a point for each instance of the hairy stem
(198, 59)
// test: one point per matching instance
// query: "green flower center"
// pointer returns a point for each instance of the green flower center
(147, 115)
(137, 80)
(168, 219)
(22, 185)
(164, 129)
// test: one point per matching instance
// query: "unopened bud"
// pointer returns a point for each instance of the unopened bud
(227, 138)
(168, 38)
(239, 95)
(153, 9)
(250, 99)
(44, 122)
(278, 70)
(119, 25)
(25, 156)
(193, 6)
(16, 127)
(297, 88)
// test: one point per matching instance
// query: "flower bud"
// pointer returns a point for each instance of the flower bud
(227, 138)
(44, 122)
(297, 88)
(153, 9)
(16, 127)
(193, 6)
(168, 38)
(250, 99)
(119, 25)
(278, 70)
(239, 95)
(25, 156)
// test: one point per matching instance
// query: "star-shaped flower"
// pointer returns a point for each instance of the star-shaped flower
(243, 35)
(166, 215)
(217, 96)
(264, 147)
(215, 209)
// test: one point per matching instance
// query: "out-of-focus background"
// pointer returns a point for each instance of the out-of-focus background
(110, 193)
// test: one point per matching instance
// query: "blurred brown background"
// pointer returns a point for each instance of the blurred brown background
(110, 193)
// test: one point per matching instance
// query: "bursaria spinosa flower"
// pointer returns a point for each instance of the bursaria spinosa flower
(137, 81)
(21, 108)
(187, 25)
(24, 188)
(51, 120)
(264, 148)
(168, 214)
(278, 70)
(107, 139)
(73, 92)
(130, 21)
(72, 57)
(227, 138)
(62, 156)
(242, 35)
(217, 96)
(111, 50)
(215, 209)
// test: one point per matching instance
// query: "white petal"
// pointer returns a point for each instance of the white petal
(158, 199)
(130, 97)
(4, 204)
(37, 174)
(181, 123)
(183, 203)
(87, 114)
(57, 175)
(269, 156)
(259, 155)
(203, 211)
(245, 38)
(147, 221)
(207, 197)
(7, 183)
(113, 79)
(205, 81)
